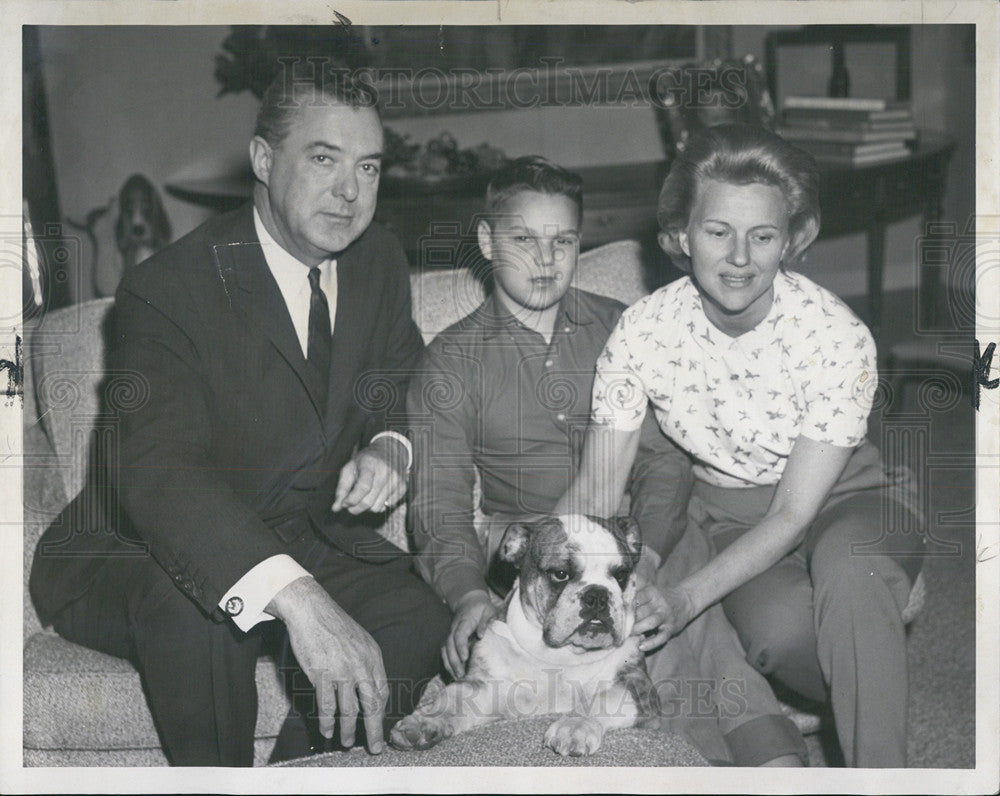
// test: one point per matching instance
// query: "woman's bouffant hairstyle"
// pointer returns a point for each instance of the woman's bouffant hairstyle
(533, 173)
(740, 154)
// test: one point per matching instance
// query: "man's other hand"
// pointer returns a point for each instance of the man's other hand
(339, 657)
(374, 479)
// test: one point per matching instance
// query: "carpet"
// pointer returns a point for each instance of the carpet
(942, 639)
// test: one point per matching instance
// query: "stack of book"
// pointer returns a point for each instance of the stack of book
(849, 130)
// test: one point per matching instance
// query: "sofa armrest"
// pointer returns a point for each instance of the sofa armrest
(44, 496)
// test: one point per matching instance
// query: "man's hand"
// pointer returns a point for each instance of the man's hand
(662, 614)
(339, 657)
(374, 479)
(472, 614)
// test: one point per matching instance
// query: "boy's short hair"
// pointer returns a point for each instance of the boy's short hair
(740, 154)
(533, 173)
(328, 83)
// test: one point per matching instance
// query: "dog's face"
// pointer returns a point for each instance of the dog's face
(142, 227)
(577, 577)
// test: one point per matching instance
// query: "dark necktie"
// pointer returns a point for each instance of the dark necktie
(320, 337)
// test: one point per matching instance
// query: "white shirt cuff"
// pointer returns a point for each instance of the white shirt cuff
(245, 602)
(404, 440)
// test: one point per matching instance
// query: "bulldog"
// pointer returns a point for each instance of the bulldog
(561, 645)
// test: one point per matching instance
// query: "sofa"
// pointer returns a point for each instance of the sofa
(82, 707)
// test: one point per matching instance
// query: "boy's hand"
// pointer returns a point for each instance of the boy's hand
(662, 614)
(645, 571)
(472, 614)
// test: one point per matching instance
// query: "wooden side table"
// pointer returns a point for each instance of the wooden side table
(869, 198)
(438, 229)
(620, 202)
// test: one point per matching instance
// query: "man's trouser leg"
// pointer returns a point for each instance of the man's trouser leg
(198, 674)
(404, 617)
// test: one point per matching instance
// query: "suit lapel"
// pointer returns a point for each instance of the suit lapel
(256, 298)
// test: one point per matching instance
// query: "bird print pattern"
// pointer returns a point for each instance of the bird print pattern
(737, 404)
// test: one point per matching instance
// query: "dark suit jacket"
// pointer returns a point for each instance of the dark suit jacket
(230, 458)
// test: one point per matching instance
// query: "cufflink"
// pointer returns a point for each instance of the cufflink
(234, 606)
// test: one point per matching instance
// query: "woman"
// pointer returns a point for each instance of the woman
(767, 380)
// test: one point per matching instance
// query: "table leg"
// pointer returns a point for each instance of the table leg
(928, 285)
(876, 267)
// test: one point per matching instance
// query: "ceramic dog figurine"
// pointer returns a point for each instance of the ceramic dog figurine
(563, 644)
(143, 227)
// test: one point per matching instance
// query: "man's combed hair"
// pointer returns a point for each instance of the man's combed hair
(533, 173)
(740, 154)
(312, 81)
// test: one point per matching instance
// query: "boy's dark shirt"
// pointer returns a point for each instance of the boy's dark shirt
(492, 396)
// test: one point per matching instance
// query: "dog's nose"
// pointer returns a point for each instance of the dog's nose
(595, 598)
(138, 230)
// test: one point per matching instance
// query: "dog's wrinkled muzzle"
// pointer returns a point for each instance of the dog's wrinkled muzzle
(594, 603)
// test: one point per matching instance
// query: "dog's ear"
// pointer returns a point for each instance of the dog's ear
(162, 231)
(627, 534)
(514, 544)
(121, 225)
(630, 532)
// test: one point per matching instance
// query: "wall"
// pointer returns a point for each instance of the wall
(144, 99)
(127, 99)
(942, 85)
(578, 136)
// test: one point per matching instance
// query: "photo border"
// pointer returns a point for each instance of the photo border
(16, 779)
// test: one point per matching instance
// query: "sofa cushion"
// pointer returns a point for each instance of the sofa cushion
(123, 758)
(519, 743)
(617, 270)
(79, 699)
(442, 297)
(118, 758)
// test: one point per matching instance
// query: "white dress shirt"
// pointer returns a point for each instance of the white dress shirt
(246, 600)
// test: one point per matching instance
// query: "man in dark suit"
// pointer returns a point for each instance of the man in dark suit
(274, 344)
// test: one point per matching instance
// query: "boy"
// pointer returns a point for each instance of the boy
(507, 389)
(523, 366)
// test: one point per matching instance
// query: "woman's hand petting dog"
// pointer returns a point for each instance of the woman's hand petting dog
(472, 614)
(660, 615)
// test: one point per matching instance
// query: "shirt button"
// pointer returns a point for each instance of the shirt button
(548, 363)
(560, 416)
